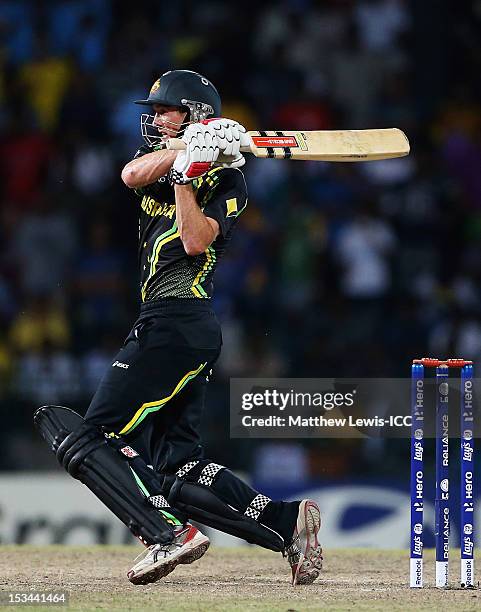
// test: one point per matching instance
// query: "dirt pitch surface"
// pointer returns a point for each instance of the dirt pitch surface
(227, 579)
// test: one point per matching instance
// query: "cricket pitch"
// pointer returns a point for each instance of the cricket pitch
(224, 580)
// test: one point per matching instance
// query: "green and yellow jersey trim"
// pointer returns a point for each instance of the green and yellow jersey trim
(209, 179)
(164, 238)
(232, 209)
(149, 407)
(196, 287)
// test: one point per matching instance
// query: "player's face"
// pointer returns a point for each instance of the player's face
(168, 120)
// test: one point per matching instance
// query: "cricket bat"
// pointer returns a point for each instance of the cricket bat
(323, 145)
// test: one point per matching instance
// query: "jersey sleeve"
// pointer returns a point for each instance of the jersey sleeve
(227, 200)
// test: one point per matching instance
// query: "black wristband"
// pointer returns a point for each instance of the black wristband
(176, 178)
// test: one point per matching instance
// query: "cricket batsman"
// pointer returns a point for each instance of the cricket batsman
(138, 448)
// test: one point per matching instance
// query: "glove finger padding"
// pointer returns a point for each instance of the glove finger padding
(197, 159)
(235, 148)
(231, 136)
(220, 135)
(210, 150)
(229, 140)
(245, 139)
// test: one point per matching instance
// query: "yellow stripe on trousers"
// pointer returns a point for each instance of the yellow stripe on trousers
(149, 407)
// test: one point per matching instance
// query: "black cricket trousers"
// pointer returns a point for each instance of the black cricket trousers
(153, 393)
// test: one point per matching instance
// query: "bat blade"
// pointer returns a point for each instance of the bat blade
(324, 145)
(331, 145)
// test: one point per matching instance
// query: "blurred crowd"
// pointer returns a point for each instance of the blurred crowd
(349, 269)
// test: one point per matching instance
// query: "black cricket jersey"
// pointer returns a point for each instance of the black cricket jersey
(165, 268)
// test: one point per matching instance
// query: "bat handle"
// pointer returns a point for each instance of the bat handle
(177, 144)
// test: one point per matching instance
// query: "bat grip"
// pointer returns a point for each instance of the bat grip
(176, 144)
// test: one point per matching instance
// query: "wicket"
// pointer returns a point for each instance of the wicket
(441, 502)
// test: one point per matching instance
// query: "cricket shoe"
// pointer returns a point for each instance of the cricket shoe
(188, 545)
(304, 552)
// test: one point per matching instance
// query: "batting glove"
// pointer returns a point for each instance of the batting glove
(199, 156)
(230, 136)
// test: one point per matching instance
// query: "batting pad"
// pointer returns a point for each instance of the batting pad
(85, 453)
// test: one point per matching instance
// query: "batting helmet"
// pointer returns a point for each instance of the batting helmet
(185, 89)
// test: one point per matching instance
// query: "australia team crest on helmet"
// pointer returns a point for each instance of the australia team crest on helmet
(155, 86)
